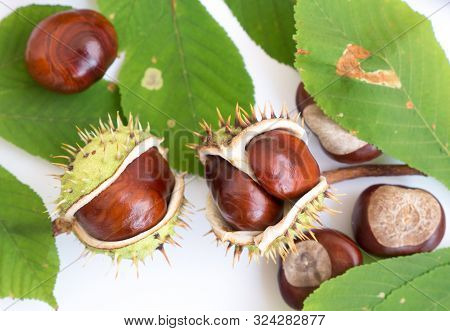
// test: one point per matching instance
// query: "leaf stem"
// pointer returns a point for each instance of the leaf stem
(369, 170)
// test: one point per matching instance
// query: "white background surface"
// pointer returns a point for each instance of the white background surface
(200, 276)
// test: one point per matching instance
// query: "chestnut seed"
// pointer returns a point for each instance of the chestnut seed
(132, 204)
(314, 262)
(283, 164)
(68, 51)
(242, 202)
(338, 143)
(393, 220)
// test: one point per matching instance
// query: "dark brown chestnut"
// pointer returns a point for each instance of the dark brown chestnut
(393, 220)
(338, 143)
(283, 164)
(241, 201)
(314, 262)
(68, 51)
(132, 204)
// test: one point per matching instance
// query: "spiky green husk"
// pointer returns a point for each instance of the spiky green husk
(91, 168)
(144, 248)
(90, 165)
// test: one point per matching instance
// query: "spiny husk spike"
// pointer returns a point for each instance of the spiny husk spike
(102, 126)
(119, 121)
(172, 242)
(253, 114)
(136, 264)
(130, 122)
(96, 131)
(208, 233)
(237, 254)
(195, 133)
(284, 111)
(70, 147)
(81, 150)
(65, 157)
(163, 252)
(72, 153)
(147, 128)
(220, 117)
(183, 224)
(228, 125)
(82, 135)
(227, 249)
(332, 196)
(60, 165)
(245, 116)
(272, 111)
(110, 122)
(192, 146)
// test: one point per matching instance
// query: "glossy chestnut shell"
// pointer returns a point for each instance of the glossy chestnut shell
(393, 220)
(68, 51)
(242, 202)
(283, 164)
(132, 204)
(364, 153)
(314, 262)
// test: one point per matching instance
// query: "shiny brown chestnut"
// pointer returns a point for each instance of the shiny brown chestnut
(241, 201)
(132, 204)
(283, 164)
(393, 220)
(314, 262)
(69, 51)
(338, 143)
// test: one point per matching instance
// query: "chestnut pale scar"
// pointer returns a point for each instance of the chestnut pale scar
(348, 65)
(397, 220)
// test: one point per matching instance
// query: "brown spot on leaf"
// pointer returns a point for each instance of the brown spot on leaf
(433, 126)
(409, 104)
(154, 59)
(348, 65)
(111, 87)
(302, 52)
(152, 79)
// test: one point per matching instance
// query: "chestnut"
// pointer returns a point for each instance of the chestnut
(314, 262)
(69, 51)
(338, 143)
(283, 164)
(241, 201)
(393, 220)
(132, 204)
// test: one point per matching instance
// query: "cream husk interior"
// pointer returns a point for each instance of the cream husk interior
(235, 153)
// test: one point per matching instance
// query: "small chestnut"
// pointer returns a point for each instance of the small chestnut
(132, 204)
(338, 143)
(283, 164)
(393, 220)
(314, 262)
(69, 51)
(241, 201)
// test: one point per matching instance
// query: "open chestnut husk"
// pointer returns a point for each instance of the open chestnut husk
(338, 143)
(393, 220)
(69, 51)
(313, 262)
(118, 193)
(266, 187)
